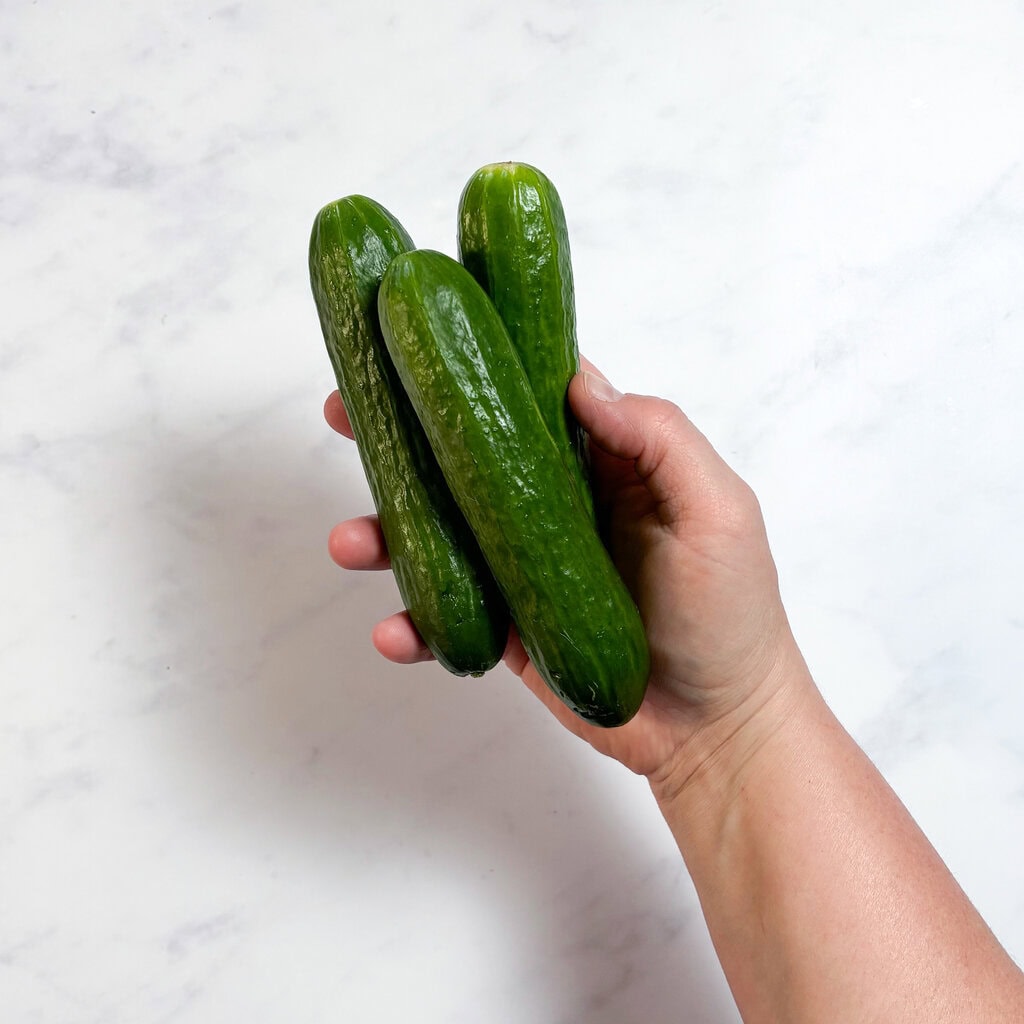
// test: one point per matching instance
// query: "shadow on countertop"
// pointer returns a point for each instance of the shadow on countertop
(291, 732)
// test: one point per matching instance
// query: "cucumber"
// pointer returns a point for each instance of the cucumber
(440, 571)
(456, 360)
(513, 239)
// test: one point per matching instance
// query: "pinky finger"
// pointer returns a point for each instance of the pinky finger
(398, 640)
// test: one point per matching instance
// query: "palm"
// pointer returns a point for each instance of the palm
(642, 744)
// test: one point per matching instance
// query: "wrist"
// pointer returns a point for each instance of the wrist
(709, 766)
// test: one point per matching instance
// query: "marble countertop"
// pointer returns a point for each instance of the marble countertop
(802, 222)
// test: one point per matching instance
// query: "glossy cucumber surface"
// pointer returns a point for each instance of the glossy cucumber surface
(513, 239)
(459, 367)
(440, 571)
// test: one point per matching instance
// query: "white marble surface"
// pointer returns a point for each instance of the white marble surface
(802, 221)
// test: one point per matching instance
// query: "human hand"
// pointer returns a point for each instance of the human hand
(688, 538)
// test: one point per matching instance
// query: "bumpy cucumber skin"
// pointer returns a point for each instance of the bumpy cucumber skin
(441, 574)
(577, 621)
(513, 239)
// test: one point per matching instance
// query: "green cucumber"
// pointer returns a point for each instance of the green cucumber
(441, 574)
(513, 239)
(457, 363)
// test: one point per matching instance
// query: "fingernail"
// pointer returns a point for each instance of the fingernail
(599, 388)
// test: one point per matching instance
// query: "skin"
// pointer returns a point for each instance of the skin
(823, 898)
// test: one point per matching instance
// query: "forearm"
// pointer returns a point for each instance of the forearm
(823, 898)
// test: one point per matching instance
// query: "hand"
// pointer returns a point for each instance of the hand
(688, 537)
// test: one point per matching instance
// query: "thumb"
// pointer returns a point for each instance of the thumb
(670, 455)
